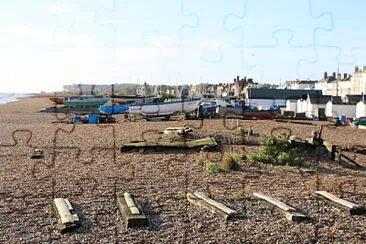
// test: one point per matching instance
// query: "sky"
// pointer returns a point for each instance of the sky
(46, 44)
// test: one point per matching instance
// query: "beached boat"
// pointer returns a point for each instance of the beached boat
(88, 101)
(57, 100)
(248, 112)
(260, 114)
(113, 109)
(121, 100)
(165, 108)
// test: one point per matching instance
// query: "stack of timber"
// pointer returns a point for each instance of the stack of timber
(220, 209)
(68, 220)
(289, 212)
(131, 211)
(347, 206)
(202, 142)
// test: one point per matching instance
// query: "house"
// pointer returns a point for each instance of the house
(268, 97)
(239, 85)
(312, 105)
(334, 85)
(353, 99)
(335, 110)
(302, 84)
(291, 105)
(361, 109)
(358, 81)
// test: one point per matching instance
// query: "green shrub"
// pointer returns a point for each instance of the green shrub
(277, 151)
(230, 162)
(212, 167)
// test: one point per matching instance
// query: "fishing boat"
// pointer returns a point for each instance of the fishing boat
(248, 112)
(87, 101)
(121, 100)
(260, 114)
(113, 109)
(254, 113)
(165, 108)
(57, 100)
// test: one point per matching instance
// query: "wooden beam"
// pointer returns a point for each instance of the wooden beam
(289, 212)
(331, 149)
(220, 209)
(131, 211)
(349, 159)
(347, 206)
(68, 220)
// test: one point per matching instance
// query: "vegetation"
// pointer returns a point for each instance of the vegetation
(212, 167)
(240, 132)
(277, 151)
(229, 162)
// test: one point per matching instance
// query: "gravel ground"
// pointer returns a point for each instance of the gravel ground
(84, 164)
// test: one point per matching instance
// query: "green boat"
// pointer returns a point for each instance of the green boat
(87, 101)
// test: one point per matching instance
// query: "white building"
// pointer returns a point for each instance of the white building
(291, 105)
(337, 110)
(361, 109)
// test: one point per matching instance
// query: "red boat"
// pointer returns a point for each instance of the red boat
(260, 114)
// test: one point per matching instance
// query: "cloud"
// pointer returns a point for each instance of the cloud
(208, 44)
(59, 10)
(62, 38)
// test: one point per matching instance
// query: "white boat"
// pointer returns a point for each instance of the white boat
(165, 108)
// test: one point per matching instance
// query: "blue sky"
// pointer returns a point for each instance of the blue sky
(45, 44)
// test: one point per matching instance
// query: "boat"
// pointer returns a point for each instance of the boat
(57, 100)
(121, 100)
(260, 114)
(87, 101)
(113, 109)
(253, 113)
(165, 108)
(248, 112)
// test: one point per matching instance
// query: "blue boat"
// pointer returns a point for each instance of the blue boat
(113, 109)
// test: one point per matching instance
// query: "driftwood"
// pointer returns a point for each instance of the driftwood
(342, 204)
(289, 212)
(67, 219)
(220, 209)
(131, 211)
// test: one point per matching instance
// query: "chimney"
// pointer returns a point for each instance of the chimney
(334, 75)
(325, 75)
(356, 69)
(345, 76)
(238, 78)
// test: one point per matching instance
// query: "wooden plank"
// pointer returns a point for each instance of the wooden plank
(67, 219)
(218, 205)
(349, 159)
(211, 207)
(130, 216)
(289, 212)
(347, 206)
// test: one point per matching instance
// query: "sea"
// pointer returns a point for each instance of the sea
(11, 97)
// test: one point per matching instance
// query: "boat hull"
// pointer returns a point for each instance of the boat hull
(57, 100)
(165, 108)
(86, 102)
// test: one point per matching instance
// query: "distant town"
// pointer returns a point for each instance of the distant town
(332, 95)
